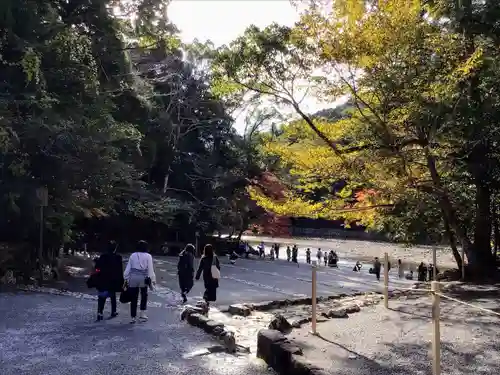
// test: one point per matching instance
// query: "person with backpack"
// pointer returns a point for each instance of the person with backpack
(185, 270)
(210, 269)
(110, 279)
(139, 275)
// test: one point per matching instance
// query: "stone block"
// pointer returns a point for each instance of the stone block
(352, 309)
(241, 310)
(280, 323)
(265, 338)
(197, 320)
(337, 313)
(211, 326)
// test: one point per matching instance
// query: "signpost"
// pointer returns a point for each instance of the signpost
(42, 194)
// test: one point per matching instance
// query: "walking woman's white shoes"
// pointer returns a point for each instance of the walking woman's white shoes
(142, 316)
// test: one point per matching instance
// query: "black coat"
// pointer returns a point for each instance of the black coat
(211, 284)
(111, 272)
(205, 268)
(185, 270)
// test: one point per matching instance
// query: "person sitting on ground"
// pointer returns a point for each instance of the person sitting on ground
(332, 259)
(232, 257)
(409, 276)
(357, 266)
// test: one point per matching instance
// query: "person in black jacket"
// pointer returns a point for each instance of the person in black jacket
(110, 281)
(185, 270)
(211, 284)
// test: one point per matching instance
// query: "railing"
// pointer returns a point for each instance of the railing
(435, 294)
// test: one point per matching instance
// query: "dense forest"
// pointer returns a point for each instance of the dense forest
(103, 106)
(131, 132)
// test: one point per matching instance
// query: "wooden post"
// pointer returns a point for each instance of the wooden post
(434, 263)
(314, 265)
(386, 280)
(436, 337)
(463, 263)
(43, 198)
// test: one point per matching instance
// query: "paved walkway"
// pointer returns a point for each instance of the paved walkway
(264, 280)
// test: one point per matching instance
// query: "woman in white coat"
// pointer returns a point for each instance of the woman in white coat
(140, 275)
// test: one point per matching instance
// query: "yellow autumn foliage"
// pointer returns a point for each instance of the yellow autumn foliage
(400, 68)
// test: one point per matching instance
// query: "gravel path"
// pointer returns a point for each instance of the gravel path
(365, 250)
(397, 341)
(44, 334)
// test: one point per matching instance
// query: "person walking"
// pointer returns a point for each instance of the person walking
(295, 255)
(110, 268)
(210, 268)
(319, 255)
(376, 268)
(139, 275)
(185, 270)
(401, 270)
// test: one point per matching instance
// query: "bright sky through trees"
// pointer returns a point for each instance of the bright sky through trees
(222, 21)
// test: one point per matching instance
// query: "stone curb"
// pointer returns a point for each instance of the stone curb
(282, 355)
(214, 328)
(245, 309)
(344, 312)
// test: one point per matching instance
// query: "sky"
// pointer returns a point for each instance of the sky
(222, 21)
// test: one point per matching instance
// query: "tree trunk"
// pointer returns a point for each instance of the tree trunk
(482, 259)
(449, 215)
(453, 242)
(240, 233)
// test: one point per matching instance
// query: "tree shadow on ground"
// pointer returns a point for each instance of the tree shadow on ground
(455, 359)
(478, 293)
(421, 312)
(414, 359)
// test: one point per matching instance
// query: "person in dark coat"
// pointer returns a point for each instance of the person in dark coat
(211, 284)
(110, 266)
(376, 268)
(422, 272)
(185, 270)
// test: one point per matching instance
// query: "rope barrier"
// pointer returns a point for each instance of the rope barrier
(468, 304)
